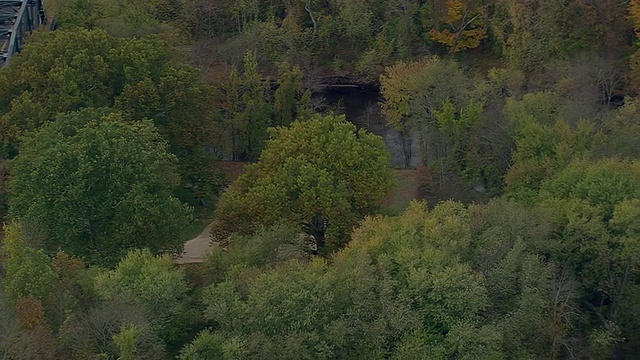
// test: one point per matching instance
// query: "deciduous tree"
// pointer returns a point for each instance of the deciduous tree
(96, 186)
(152, 283)
(249, 111)
(463, 25)
(530, 32)
(321, 173)
(435, 99)
(65, 71)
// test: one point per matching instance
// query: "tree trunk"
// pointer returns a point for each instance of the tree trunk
(316, 228)
(313, 19)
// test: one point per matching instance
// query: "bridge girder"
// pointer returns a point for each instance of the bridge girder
(18, 18)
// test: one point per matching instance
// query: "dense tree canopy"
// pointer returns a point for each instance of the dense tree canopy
(522, 114)
(359, 38)
(96, 185)
(65, 71)
(152, 283)
(449, 282)
(435, 100)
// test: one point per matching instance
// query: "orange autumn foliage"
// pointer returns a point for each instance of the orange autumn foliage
(464, 26)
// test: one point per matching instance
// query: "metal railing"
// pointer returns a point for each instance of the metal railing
(18, 18)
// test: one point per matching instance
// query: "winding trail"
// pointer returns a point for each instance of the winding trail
(196, 249)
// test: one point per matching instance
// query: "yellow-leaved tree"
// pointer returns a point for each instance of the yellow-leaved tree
(462, 26)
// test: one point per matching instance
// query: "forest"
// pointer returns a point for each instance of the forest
(380, 179)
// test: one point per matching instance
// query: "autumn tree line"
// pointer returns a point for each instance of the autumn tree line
(359, 38)
(113, 127)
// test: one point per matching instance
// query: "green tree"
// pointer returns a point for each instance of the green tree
(203, 20)
(545, 144)
(454, 127)
(153, 283)
(127, 340)
(399, 16)
(28, 270)
(435, 100)
(322, 173)
(96, 332)
(398, 289)
(81, 13)
(97, 186)
(355, 21)
(405, 105)
(29, 285)
(264, 248)
(622, 132)
(124, 18)
(256, 115)
(206, 346)
(248, 109)
(591, 207)
(65, 71)
(529, 31)
(287, 98)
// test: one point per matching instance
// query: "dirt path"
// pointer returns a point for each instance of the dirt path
(196, 249)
